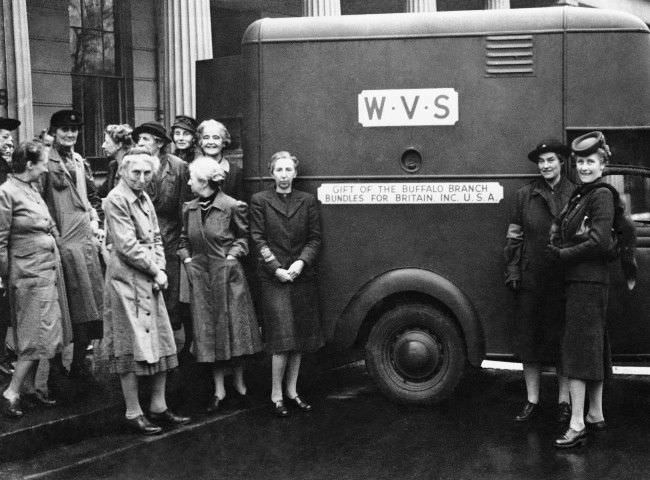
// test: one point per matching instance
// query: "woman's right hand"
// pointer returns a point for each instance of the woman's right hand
(283, 275)
(161, 280)
(187, 260)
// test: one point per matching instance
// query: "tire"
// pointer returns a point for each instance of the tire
(415, 354)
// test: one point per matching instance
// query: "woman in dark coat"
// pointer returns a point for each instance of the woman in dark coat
(533, 277)
(31, 266)
(117, 141)
(138, 337)
(285, 228)
(213, 137)
(582, 240)
(213, 240)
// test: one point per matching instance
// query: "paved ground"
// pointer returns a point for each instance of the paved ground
(354, 433)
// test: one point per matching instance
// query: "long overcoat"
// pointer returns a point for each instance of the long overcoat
(285, 229)
(168, 191)
(67, 193)
(584, 234)
(540, 300)
(222, 309)
(135, 318)
(31, 265)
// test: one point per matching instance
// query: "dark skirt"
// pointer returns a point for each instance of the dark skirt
(585, 353)
(540, 323)
(126, 364)
(291, 316)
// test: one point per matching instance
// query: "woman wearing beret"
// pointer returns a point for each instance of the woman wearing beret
(581, 239)
(534, 279)
(184, 136)
(213, 137)
(213, 242)
(168, 191)
(31, 266)
(285, 229)
(139, 341)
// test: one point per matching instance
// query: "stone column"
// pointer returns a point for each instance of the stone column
(496, 4)
(421, 6)
(188, 39)
(321, 8)
(16, 67)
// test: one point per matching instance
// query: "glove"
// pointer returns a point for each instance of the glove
(552, 252)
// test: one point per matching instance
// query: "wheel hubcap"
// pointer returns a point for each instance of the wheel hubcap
(416, 354)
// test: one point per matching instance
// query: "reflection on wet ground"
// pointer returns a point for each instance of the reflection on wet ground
(355, 433)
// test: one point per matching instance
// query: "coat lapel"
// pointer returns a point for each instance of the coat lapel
(286, 210)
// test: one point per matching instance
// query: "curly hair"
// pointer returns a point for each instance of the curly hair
(29, 151)
(120, 134)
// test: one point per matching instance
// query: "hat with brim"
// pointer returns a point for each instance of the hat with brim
(186, 123)
(588, 143)
(153, 128)
(9, 123)
(66, 118)
(551, 145)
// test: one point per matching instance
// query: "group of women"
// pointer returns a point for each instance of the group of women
(558, 246)
(176, 234)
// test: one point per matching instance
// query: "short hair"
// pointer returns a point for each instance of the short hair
(282, 154)
(225, 134)
(120, 134)
(129, 158)
(28, 151)
(207, 168)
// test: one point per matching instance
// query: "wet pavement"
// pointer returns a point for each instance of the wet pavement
(355, 433)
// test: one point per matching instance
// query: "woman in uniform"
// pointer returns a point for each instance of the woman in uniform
(213, 241)
(138, 337)
(533, 278)
(30, 265)
(285, 229)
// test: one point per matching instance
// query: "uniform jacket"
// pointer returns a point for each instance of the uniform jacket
(135, 318)
(73, 202)
(584, 233)
(168, 191)
(536, 206)
(30, 263)
(285, 232)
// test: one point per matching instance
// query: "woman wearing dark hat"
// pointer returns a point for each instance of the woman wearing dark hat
(534, 278)
(184, 136)
(213, 137)
(30, 263)
(168, 191)
(71, 195)
(581, 238)
(117, 141)
(285, 229)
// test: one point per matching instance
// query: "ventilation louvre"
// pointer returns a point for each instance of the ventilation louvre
(509, 55)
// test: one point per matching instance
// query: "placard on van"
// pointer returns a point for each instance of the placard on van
(408, 107)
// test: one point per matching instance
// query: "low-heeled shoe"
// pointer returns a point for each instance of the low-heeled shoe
(169, 418)
(140, 424)
(240, 400)
(596, 426)
(571, 438)
(529, 411)
(279, 409)
(302, 405)
(39, 398)
(563, 412)
(214, 405)
(10, 408)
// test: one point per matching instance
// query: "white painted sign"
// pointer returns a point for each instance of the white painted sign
(408, 107)
(409, 193)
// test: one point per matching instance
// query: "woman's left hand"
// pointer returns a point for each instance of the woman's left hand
(295, 269)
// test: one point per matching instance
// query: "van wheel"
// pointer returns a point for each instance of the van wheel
(415, 354)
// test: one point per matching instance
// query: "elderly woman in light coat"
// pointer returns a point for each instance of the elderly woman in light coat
(138, 336)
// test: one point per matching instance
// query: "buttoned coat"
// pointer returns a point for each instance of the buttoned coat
(135, 318)
(222, 309)
(31, 266)
(284, 230)
(68, 195)
(540, 299)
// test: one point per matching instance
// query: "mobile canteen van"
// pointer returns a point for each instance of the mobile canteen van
(413, 130)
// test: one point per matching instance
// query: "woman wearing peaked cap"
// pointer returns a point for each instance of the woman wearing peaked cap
(581, 239)
(535, 279)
